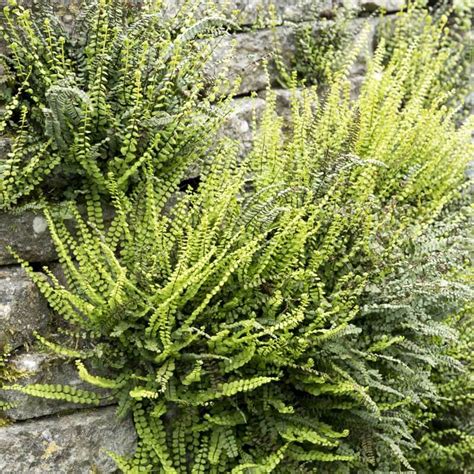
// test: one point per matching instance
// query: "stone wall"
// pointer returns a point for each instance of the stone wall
(55, 437)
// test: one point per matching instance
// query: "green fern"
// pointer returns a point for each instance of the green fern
(92, 101)
(292, 312)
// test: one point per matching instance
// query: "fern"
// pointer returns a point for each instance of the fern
(290, 314)
(57, 392)
(93, 101)
(442, 28)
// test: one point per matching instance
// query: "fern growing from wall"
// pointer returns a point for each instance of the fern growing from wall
(124, 87)
(320, 47)
(444, 28)
(289, 314)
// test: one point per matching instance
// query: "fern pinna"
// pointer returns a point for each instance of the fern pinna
(288, 315)
(125, 86)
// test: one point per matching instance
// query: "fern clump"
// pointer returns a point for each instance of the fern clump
(289, 314)
(123, 88)
(443, 29)
(292, 313)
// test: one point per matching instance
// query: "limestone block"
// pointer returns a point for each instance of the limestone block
(43, 368)
(251, 51)
(249, 12)
(255, 13)
(389, 6)
(27, 233)
(238, 124)
(5, 143)
(22, 308)
(254, 49)
(71, 444)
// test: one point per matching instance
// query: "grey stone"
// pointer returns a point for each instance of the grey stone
(256, 13)
(249, 12)
(253, 50)
(389, 6)
(359, 67)
(23, 310)
(5, 143)
(356, 83)
(284, 99)
(238, 125)
(246, 112)
(71, 444)
(43, 368)
(27, 233)
(304, 10)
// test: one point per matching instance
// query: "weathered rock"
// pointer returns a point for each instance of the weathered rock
(27, 233)
(253, 13)
(22, 308)
(5, 143)
(300, 10)
(389, 6)
(357, 80)
(238, 125)
(42, 368)
(256, 13)
(71, 444)
(250, 12)
(253, 50)
(358, 69)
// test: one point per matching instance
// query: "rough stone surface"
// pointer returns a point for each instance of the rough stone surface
(5, 143)
(27, 234)
(254, 48)
(299, 10)
(238, 125)
(43, 368)
(387, 5)
(251, 51)
(250, 12)
(71, 444)
(22, 308)
(255, 13)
